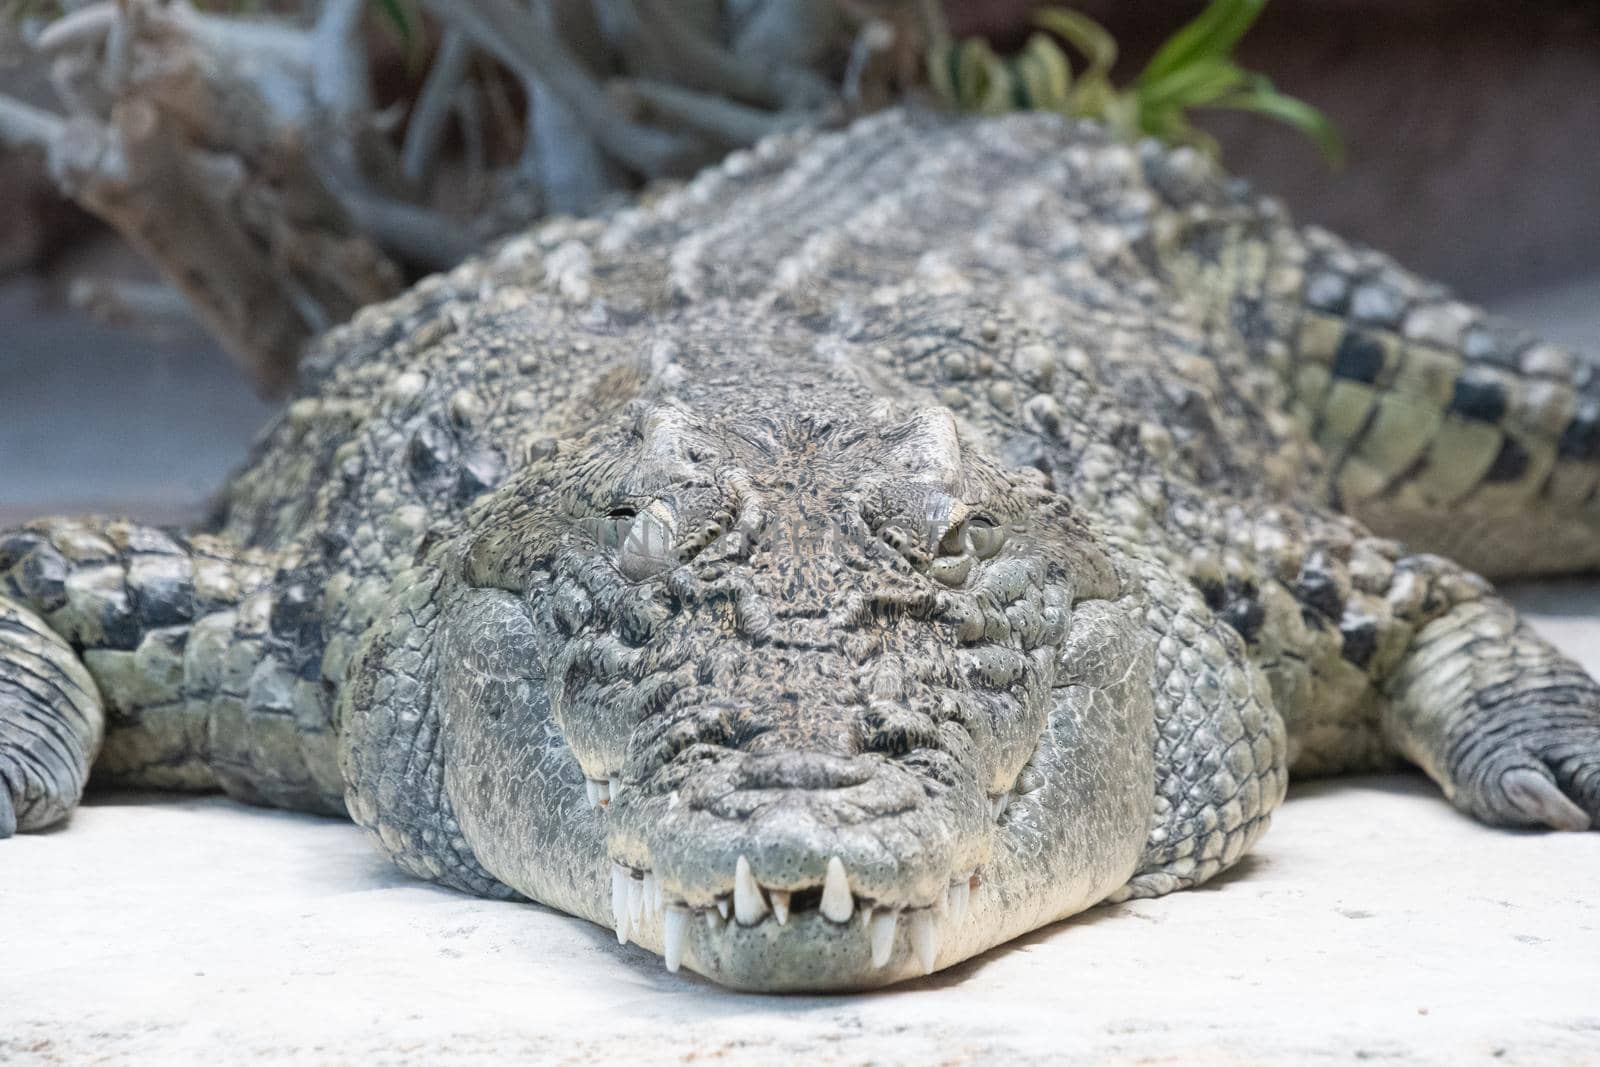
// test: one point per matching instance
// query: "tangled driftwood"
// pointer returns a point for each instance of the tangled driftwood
(245, 156)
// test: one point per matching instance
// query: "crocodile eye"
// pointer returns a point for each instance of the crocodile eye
(643, 544)
(973, 535)
(972, 538)
(648, 548)
(983, 537)
(609, 532)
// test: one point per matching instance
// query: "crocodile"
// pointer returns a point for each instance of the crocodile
(891, 541)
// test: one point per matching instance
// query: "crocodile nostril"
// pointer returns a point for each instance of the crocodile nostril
(801, 770)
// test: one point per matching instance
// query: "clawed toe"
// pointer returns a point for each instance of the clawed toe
(1534, 794)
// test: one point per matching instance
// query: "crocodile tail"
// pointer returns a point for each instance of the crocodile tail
(1441, 425)
(1444, 426)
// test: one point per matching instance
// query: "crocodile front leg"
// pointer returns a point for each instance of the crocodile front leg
(1221, 752)
(1375, 653)
(181, 642)
(51, 723)
(1506, 725)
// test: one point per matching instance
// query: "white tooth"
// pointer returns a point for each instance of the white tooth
(674, 931)
(748, 903)
(651, 892)
(780, 905)
(722, 906)
(592, 791)
(602, 791)
(925, 938)
(1000, 803)
(956, 902)
(866, 915)
(883, 927)
(615, 785)
(619, 900)
(635, 900)
(837, 904)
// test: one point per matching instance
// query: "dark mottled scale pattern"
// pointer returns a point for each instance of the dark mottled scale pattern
(1581, 439)
(1359, 358)
(1479, 396)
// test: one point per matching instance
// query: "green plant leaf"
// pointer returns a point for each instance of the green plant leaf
(1214, 33)
(969, 76)
(1195, 68)
(1044, 76)
(1096, 98)
(1195, 84)
(1263, 98)
(941, 71)
(1090, 38)
(399, 16)
(1120, 111)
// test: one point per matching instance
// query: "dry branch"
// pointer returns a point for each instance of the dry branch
(705, 65)
(137, 175)
(186, 162)
(723, 121)
(425, 131)
(243, 155)
(513, 36)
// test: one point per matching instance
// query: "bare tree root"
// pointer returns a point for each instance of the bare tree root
(195, 169)
(514, 36)
(425, 131)
(244, 155)
(728, 124)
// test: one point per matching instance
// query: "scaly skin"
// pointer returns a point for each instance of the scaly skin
(890, 542)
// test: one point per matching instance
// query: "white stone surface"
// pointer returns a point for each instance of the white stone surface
(1372, 922)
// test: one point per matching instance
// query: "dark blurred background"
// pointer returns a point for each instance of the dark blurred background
(1473, 129)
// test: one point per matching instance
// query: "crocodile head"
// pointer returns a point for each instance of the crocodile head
(819, 699)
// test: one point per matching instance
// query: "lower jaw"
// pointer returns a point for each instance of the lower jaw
(810, 953)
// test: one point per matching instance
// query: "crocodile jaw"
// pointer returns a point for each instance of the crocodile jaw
(1068, 837)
